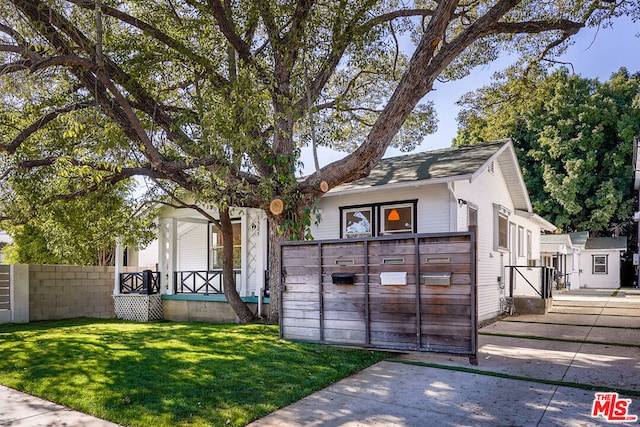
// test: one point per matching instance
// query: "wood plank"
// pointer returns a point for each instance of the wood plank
(445, 268)
(296, 333)
(393, 327)
(344, 315)
(300, 305)
(357, 337)
(301, 323)
(444, 248)
(392, 339)
(293, 313)
(445, 319)
(442, 343)
(344, 306)
(446, 330)
(458, 310)
(445, 291)
(355, 325)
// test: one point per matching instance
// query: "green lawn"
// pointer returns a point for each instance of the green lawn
(167, 374)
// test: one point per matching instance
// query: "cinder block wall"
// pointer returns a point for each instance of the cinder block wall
(67, 291)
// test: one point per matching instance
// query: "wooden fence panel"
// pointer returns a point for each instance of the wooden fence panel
(426, 301)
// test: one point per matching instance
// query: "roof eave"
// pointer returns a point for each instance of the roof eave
(408, 184)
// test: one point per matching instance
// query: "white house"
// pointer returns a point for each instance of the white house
(583, 261)
(600, 262)
(446, 190)
(438, 191)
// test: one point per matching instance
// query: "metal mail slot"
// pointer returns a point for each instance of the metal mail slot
(437, 279)
(393, 261)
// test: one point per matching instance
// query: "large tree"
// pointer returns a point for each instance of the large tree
(574, 139)
(218, 97)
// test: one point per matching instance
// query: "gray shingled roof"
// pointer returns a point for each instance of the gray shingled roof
(596, 243)
(437, 164)
(554, 239)
(579, 238)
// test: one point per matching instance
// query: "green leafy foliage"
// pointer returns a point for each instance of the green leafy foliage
(574, 139)
(79, 231)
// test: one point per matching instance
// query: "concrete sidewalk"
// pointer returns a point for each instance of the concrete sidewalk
(533, 371)
(18, 409)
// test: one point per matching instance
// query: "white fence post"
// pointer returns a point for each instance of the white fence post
(19, 293)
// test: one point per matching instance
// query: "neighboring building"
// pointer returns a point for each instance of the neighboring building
(444, 191)
(557, 251)
(582, 261)
(600, 262)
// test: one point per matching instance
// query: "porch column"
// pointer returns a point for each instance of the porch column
(167, 253)
(245, 235)
(118, 266)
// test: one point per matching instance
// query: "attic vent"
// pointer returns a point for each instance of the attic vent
(490, 168)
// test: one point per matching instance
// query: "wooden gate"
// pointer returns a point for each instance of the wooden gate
(414, 292)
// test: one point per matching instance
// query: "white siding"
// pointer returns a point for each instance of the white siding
(433, 208)
(485, 191)
(610, 280)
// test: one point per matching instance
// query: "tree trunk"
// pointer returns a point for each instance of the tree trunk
(274, 269)
(245, 315)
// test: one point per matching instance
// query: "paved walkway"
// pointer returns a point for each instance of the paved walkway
(532, 371)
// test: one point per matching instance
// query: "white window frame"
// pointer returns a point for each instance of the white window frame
(471, 208)
(383, 218)
(530, 248)
(501, 213)
(604, 264)
(346, 211)
(521, 253)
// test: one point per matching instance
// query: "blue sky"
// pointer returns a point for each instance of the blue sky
(596, 53)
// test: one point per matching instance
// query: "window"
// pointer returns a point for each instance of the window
(520, 241)
(396, 219)
(472, 216)
(600, 264)
(530, 261)
(501, 228)
(503, 234)
(378, 219)
(215, 254)
(358, 222)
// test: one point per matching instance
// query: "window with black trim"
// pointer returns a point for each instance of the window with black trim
(600, 264)
(357, 222)
(378, 219)
(396, 219)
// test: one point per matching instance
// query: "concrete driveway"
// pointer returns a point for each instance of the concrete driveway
(533, 371)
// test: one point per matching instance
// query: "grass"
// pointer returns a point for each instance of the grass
(168, 374)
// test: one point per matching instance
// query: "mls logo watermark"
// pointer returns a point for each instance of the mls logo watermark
(613, 409)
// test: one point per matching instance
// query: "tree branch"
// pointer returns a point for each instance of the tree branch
(38, 124)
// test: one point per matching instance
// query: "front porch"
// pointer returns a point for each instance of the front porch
(186, 263)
